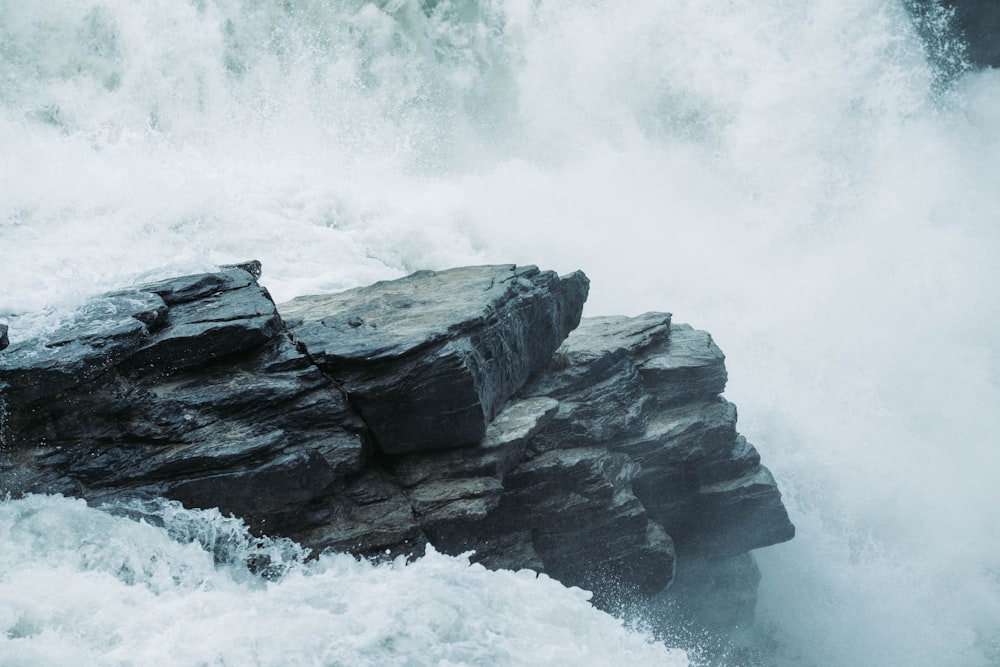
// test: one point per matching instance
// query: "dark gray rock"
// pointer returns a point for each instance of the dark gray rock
(595, 351)
(154, 328)
(198, 286)
(691, 367)
(735, 516)
(605, 463)
(431, 358)
(253, 267)
(367, 514)
(455, 493)
(149, 391)
(258, 438)
(595, 378)
(715, 506)
(445, 497)
(648, 388)
(4, 340)
(95, 338)
(214, 325)
(586, 525)
(464, 485)
(494, 456)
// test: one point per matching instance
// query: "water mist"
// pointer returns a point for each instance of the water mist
(800, 179)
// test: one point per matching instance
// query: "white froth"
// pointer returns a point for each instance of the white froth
(786, 175)
(79, 586)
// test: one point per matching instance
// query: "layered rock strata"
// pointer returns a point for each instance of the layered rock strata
(448, 407)
(430, 359)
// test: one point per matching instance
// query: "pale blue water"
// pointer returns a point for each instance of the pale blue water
(81, 587)
(792, 176)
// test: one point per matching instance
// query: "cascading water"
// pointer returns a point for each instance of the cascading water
(806, 180)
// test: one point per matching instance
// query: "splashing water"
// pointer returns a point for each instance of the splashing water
(79, 586)
(806, 180)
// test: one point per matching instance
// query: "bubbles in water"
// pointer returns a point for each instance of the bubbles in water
(81, 585)
(794, 177)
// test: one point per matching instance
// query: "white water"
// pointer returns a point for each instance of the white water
(779, 173)
(80, 587)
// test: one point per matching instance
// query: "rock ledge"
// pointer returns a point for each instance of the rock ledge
(454, 407)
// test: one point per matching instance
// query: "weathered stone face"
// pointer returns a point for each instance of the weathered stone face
(606, 462)
(181, 388)
(430, 359)
(648, 388)
(101, 334)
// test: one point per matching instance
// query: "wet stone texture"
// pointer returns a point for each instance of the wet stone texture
(471, 408)
(430, 359)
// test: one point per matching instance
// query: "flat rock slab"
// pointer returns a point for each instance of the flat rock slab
(430, 359)
(691, 367)
(185, 289)
(95, 337)
(211, 315)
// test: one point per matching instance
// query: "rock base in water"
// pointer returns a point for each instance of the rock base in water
(450, 407)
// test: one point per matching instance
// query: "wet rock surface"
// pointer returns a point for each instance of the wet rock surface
(450, 407)
(430, 359)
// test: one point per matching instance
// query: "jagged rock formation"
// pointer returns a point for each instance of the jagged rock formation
(440, 407)
(132, 395)
(430, 359)
(649, 389)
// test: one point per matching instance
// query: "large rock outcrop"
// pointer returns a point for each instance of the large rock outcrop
(182, 388)
(448, 407)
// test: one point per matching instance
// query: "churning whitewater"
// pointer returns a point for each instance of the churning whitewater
(85, 587)
(802, 179)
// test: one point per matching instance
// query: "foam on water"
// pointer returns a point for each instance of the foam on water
(84, 587)
(794, 177)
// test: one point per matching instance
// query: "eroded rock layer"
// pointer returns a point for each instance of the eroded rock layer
(453, 407)
(430, 359)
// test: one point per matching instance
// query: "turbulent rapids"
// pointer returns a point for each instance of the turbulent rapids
(815, 183)
(87, 587)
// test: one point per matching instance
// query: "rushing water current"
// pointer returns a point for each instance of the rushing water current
(803, 179)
